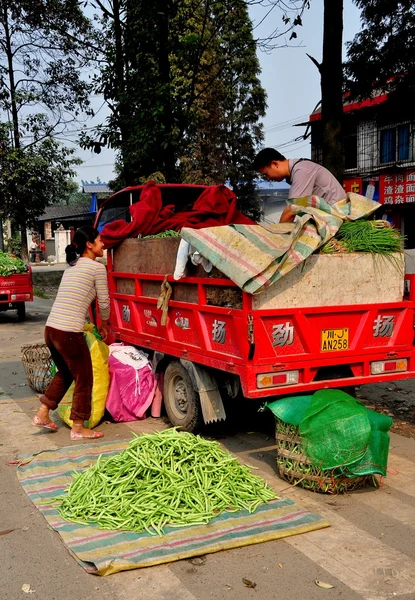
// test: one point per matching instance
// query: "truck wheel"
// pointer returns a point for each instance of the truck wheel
(181, 399)
(21, 311)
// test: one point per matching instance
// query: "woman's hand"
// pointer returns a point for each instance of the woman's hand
(103, 332)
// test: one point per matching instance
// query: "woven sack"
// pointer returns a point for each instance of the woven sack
(295, 467)
(38, 365)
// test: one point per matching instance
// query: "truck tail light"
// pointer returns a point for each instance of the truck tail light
(264, 380)
(388, 366)
(19, 297)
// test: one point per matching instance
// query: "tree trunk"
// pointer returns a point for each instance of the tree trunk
(12, 85)
(120, 77)
(25, 250)
(169, 160)
(332, 88)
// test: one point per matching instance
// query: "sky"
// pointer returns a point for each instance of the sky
(289, 77)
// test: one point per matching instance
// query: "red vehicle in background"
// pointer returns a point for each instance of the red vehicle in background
(15, 291)
(210, 339)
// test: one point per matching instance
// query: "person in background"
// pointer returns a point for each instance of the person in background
(32, 251)
(42, 250)
(305, 177)
(82, 282)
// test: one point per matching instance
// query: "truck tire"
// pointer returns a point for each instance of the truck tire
(181, 400)
(21, 311)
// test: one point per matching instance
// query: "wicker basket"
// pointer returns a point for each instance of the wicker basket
(37, 363)
(296, 468)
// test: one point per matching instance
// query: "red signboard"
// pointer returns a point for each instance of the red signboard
(397, 188)
(353, 185)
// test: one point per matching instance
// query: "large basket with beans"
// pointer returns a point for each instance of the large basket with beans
(295, 467)
(38, 365)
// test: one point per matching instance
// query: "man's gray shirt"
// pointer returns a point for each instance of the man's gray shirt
(308, 178)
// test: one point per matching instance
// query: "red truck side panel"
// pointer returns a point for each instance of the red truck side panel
(250, 342)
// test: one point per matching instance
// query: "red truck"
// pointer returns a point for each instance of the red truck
(326, 325)
(15, 291)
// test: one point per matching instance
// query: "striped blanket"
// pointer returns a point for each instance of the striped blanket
(45, 478)
(255, 256)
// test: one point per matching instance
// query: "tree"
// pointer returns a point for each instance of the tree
(330, 69)
(44, 49)
(180, 80)
(381, 57)
(35, 176)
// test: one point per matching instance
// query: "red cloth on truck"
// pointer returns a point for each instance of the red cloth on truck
(215, 206)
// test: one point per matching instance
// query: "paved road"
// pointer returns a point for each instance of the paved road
(367, 553)
(45, 267)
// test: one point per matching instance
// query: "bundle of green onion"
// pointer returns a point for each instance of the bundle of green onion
(163, 479)
(163, 234)
(365, 236)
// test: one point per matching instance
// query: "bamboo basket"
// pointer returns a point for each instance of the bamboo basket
(37, 363)
(295, 467)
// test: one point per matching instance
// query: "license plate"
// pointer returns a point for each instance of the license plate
(333, 340)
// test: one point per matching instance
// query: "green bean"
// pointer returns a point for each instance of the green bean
(165, 479)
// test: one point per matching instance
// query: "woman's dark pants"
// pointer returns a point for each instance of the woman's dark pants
(71, 356)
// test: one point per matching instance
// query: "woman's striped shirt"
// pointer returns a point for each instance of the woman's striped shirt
(80, 285)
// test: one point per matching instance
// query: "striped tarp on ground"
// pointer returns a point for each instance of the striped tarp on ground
(256, 256)
(46, 475)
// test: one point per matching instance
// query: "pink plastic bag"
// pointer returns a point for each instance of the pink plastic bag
(131, 389)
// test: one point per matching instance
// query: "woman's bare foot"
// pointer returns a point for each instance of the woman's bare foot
(80, 432)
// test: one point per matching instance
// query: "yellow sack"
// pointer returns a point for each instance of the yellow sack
(99, 357)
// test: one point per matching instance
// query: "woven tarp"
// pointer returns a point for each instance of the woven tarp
(338, 433)
(46, 476)
(255, 256)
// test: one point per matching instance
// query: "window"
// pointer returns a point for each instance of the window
(395, 144)
(403, 142)
(116, 208)
(350, 146)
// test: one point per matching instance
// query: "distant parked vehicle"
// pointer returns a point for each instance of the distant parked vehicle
(16, 285)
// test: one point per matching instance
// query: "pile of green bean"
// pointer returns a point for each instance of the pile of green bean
(163, 479)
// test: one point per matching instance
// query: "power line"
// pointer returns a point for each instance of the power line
(286, 124)
(93, 166)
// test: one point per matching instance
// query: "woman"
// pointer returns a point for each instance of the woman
(84, 280)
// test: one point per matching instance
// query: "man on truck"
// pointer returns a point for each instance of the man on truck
(305, 177)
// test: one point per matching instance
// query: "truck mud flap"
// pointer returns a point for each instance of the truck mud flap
(207, 388)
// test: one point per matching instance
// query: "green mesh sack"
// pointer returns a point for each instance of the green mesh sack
(291, 410)
(335, 429)
(338, 434)
(375, 458)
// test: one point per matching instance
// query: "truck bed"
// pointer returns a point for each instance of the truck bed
(274, 350)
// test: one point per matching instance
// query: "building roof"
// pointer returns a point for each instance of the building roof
(379, 97)
(96, 188)
(57, 212)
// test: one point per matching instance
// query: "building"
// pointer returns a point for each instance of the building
(68, 217)
(379, 157)
(272, 196)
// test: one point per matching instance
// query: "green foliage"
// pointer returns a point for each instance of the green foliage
(45, 49)
(381, 56)
(31, 178)
(11, 264)
(14, 245)
(182, 82)
(156, 177)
